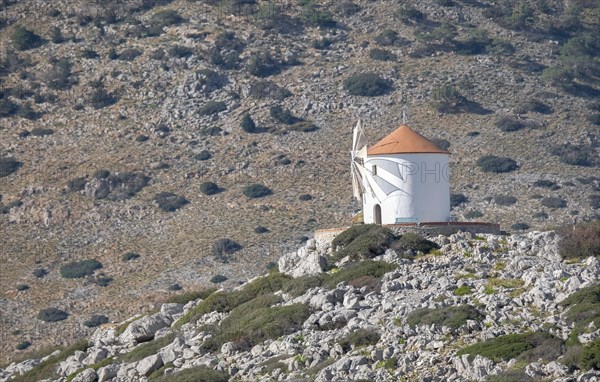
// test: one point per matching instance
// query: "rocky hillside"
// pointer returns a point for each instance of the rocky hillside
(499, 308)
(150, 146)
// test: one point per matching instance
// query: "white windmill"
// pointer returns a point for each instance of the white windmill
(404, 178)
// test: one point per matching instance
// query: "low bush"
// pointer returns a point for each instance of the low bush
(367, 84)
(223, 248)
(129, 54)
(366, 268)
(40, 272)
(520, 226)
(283, 115)
(305, 197)
(495, 164)
(510, 376)
(257, 321)
(77, 184)
(457, 199)
(463, 290)
(473, 214)
(540, 215)
(96, 320)
(590, 356)
(47, 368)
(387, 37)
(78, 269)
(443, 144)
(382, 55)
(247, 124)
(321, 44)
(544, 183)
(130, 256)
(224, 302)
(359, 338)
(195, 374)
(184, 298)
(147, 349)
(212, 107)
(203, 155)
(257, 190)
(8, 166)
(262, 64)
(450, 316)
(362, 241)
(22, 287)
(594, 200)
(180, 51)
(169, 202)
(52, 315)
(411, 243)
(268, 90)
(209, 188)
(216, 279)
(505, 200)
(24, 39)
(23, 345)
(525, 346)
(261, 229)
(553, 202)
(348, 8)
(575, 155)
(165, 18)
(509, 124)
(533, 105)
(580, 241)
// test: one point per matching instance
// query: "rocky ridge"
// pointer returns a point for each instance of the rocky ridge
(530, 282)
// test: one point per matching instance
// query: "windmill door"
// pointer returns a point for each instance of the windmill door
(377, 213)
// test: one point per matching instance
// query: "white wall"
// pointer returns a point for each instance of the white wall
(412, 187)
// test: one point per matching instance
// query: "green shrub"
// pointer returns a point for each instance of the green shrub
(256, 321)
(223, 248)
(226, 301)
(367, 84)
(524, 346)
(169, 202)
(510, 376)
(195, 374)
(52, 315)
(129, 54)
(212, 107)
(357, 271)
(313, 16)
(209, 188)
(413, 243)
(261, 229)
(248, 124)
(359, 338)
(321, 44)
(7, 107)
(24, 39)
(457, 199)
(509, 124)
(184, 298)
(594, 200)
(267, 89)
(8, 166)
(580, 241)
(450, 316)
(382, 55)
(96, 320)
(505, 200)
(473, 214)
(362, 241)
(180, 51)
(257, 190)
(443, 144)
(99, 98)
(130, 256)
(495, 164)
(590, 356)
(47, 369)
(348, 8)
(23, 345)
(553, 202)
(78, 269)
(22, 287)
(149, 348)
(533, 105)
(463, 290)
(217, 279)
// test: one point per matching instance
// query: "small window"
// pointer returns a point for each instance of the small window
(374, 170)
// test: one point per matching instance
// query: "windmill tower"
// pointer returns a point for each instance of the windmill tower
(404, 178)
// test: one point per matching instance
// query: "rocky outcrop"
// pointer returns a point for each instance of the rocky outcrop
(516, 282)
(307, 260)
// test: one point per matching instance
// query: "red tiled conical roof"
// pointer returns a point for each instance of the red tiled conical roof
(404, 140)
